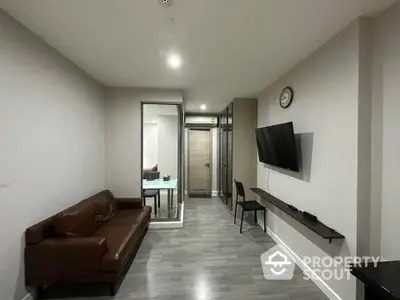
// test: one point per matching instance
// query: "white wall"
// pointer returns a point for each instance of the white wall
(123, 135)
(52, 142)
(150, 145)
(385, 129)
(326, 106)
(160, 141)
(168, 145)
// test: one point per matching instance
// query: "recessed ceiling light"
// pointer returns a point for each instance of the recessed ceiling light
(154, 121)
(174, 61)
(203, 107)
(166, 2)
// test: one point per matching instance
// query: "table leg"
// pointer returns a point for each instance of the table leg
(155, 205)
(172, 199)
(167, 199)
(169, 203)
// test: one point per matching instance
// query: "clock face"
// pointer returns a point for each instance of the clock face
(286, 97)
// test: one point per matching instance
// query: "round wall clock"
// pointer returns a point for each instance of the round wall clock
(286, 97)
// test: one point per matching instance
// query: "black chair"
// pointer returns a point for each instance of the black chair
(249, 205)
(151, 175)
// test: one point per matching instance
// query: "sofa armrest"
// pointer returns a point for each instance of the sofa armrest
(57, 260)
(129, 203)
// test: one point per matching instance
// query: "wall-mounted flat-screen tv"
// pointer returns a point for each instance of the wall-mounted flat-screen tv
(277, 147)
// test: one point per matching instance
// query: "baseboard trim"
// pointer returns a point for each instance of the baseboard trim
(28, 296)
(213, 193)
(171, 224)
(322, 285)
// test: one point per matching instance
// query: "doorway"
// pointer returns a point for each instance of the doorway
(200, 163)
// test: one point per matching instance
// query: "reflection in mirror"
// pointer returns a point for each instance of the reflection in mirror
(160, 160)
(226, 156)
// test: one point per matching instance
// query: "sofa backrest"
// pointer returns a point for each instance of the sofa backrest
(77, 221)
(81, 219)
(105, 205)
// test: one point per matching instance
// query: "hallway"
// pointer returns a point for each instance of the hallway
(208, 259)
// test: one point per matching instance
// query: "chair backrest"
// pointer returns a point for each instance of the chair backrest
(151, 175)
(240, 190)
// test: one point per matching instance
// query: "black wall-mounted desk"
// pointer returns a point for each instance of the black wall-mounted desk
(380, 283)
(316, 226)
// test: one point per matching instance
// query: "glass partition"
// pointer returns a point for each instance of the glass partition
(161, 160)
(226, 156)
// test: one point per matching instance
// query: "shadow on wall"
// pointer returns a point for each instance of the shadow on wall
(304, 148)
(338, 247)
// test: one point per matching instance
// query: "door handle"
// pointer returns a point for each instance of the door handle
(207, 165)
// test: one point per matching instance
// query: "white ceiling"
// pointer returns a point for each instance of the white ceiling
(230, 48)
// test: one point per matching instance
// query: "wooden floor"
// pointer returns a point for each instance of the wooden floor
(208, 259)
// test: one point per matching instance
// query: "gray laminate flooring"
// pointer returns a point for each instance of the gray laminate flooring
(208, 259)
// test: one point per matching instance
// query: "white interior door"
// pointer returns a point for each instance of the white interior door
(199, 162)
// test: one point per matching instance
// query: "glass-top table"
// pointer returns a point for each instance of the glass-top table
(160, 184)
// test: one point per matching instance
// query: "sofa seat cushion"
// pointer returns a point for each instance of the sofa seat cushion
(121, 239)
(131, 216)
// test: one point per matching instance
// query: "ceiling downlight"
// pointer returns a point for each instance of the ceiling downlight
(166, 2)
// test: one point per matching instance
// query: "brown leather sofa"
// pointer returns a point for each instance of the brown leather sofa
(93, 241)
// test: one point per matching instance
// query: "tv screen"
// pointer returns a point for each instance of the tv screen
(276, 146)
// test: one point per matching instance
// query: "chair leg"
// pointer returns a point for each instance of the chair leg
(172, 199)
(234, 218)
(265, 220)
(241, 222)
(255, 217)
